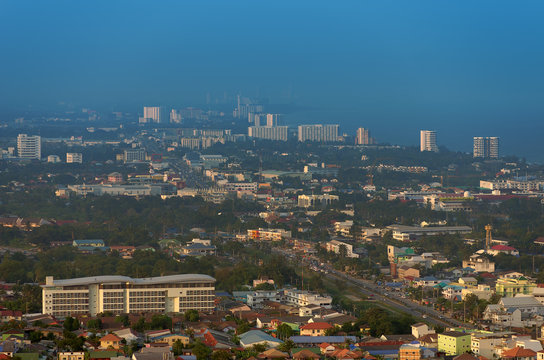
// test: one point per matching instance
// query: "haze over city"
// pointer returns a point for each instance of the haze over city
(461, 68)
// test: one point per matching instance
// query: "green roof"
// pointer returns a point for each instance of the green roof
(27, 356)
(102, 354)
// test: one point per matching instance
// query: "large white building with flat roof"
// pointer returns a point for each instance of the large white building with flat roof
(124, 295)
(428, 141)
(29, 147)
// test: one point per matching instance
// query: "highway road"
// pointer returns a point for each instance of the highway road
(392, 298)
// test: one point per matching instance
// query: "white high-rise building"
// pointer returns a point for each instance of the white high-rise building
(486, 147)
(29, 147)
(363, 137)
(175, 116)
(257, 119)
(153, 114)
(318, 132)
(268, 132)
(428, 141)
(273, 119)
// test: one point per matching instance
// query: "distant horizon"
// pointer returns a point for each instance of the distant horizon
(461, 68)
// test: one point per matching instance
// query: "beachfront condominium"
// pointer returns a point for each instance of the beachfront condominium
(428, 141)
(486, 147)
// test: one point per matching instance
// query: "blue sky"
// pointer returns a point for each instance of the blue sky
(463, 68)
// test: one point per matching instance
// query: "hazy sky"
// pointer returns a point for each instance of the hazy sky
(463, 68)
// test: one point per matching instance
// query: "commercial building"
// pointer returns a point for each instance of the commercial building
(510, 287)
(407, 233)
(335, 246)
(454, 342)
(134, 155)
(318, 132)
(316, 200)
(279, 133)
(428, 141)
(268, 234)
(123, 190)
(29, 147)
(363, 137)
(74, 158)
(486, 147)
(124, 295)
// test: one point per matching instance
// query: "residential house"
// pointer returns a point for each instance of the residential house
(421, 329)
(69, 355)
(252, 337)
(315, 329)
(519, 353)
(480, 263)
(170, 339)
(110, 341)
(503, 249)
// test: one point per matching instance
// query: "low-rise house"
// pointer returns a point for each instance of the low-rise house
(421, 329)
(479, 263)
(415, 351)
(127, 334)
(125, 251)
(315, 329)
(503, 249)
(429, 341)
(451, 291)
(170, 339)
(405, 272)
(487, 344)
(90, 246)
(110, 341)
(217, 339)
(197, 249)
(253, 337)
(482, 291)
(69, 355)
(519, 311)
(518, 353)
(314, 341)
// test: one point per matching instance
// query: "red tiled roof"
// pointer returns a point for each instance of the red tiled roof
(502, 248)
(316, 326)
(110, 337)
(518, 352)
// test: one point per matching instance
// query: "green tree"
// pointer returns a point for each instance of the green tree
(94, 324)
(286, 346)
(177, 347)
(191, 316)
(221, 355)
(71, 324)
(201, 351)
(284, 331)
